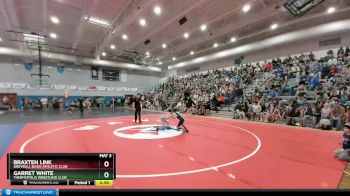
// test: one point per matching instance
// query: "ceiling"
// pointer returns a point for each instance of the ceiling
(224, 19)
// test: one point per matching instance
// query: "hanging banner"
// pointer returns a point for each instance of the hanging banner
(60, 69)
(29, 66)
(94, 73)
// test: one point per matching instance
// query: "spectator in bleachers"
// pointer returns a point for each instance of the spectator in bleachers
(338, 117)
(255, 112)
(314, 82)
(327, 76)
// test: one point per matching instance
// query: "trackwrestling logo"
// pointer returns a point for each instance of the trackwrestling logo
(147, 132)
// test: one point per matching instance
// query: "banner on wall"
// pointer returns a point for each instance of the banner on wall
(19, 85)
(134, 89)
(119, 89)
(8, 101)
(32, 87)
(94, 73)
(92, 88)
(60, 87)
(82, 88)
(46, 87)
(72, 87)
(110, 89)
(5, 85)
(102, 88)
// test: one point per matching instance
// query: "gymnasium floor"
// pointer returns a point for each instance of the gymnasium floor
(216, 154)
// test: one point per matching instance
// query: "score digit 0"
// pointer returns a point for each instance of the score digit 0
(106, 164)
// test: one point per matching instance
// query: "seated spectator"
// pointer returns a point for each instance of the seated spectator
(255, 113)
(338, 117)
(272, 112)
(268, 67)
(292, 113)
(286, 87)
(340, 51)
(307, 118)
(344, 152)
(311, 56)
(301, 92)
(347, 108)
(303, 79)
(314, 82)
(272, 93)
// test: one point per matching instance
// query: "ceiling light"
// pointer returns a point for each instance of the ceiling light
(164, 46)
(174, 58)
(233, 39)
(97, 21)
(53, 35)
(157, 10)
(216, 45)
(142, 22)
(125, 37)
(186, 35)
(113, 47)
(246, 8)
(0, 39)
(104, 54)
(191, 53)
(160, 63)
(33, 36)
(148, 54)
(54, 20)
(204, 27)
(274, 26)
(331, 10)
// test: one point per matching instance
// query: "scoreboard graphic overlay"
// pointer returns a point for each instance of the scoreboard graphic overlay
(62, 169)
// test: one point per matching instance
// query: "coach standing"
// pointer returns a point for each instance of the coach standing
(137, 106)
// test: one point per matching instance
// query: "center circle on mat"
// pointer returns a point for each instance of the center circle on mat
(215, 167)
(147, 132)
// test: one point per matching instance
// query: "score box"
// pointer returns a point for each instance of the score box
(60, 169)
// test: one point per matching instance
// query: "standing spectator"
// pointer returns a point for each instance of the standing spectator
(137, 106)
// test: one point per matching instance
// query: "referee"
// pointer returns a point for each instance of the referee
(137, 105)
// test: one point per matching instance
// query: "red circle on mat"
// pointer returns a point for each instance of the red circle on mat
(209, 145)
